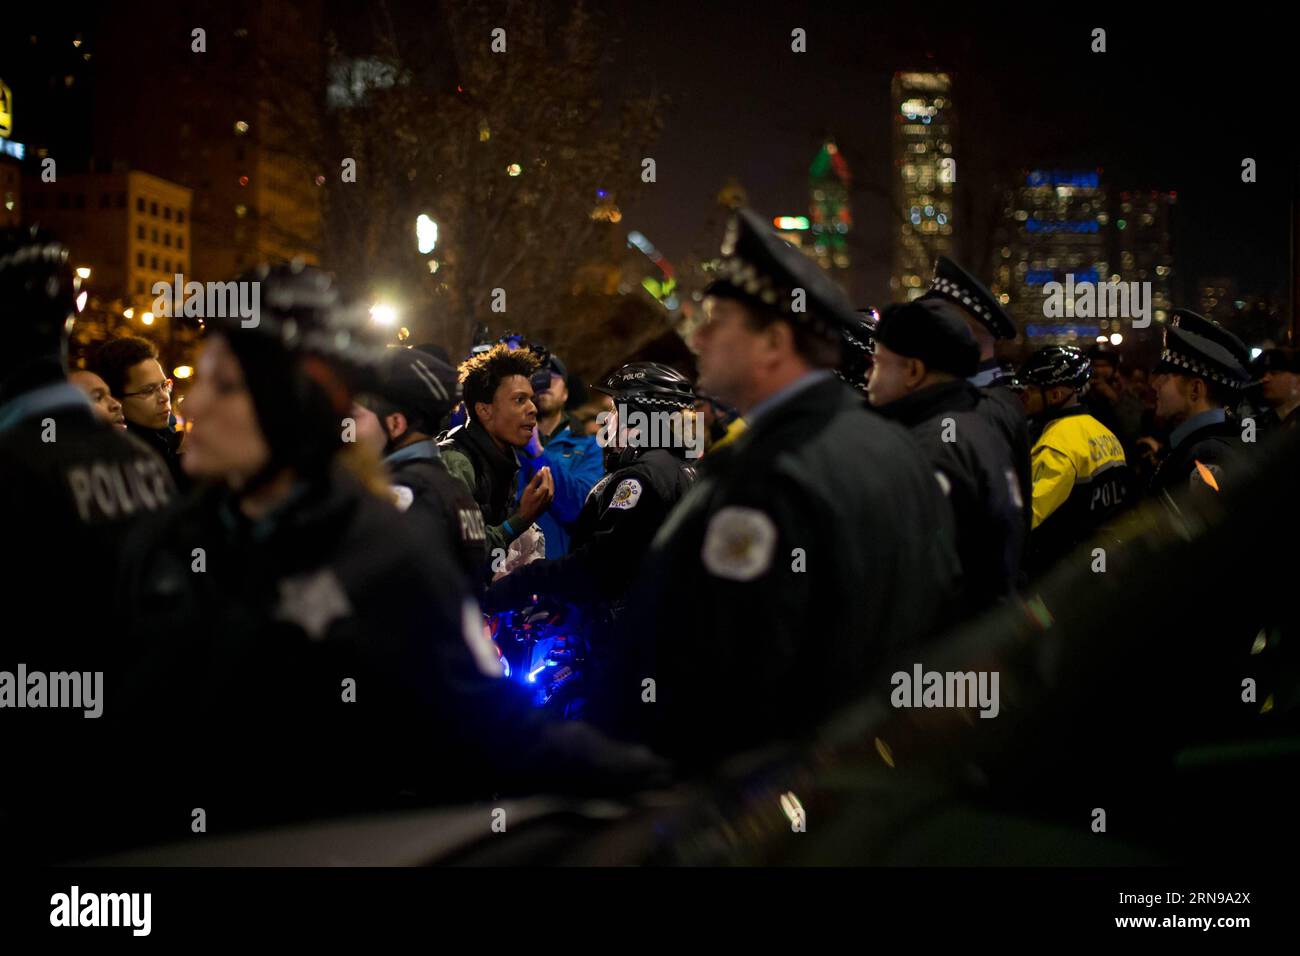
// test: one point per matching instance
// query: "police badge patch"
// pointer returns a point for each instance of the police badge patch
(626, 495)
(738, 544)
(402, 496)
(313, 601)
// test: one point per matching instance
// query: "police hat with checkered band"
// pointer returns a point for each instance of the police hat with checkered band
(759, 267)
(955, 284)
(858, 348)
(1202, 348)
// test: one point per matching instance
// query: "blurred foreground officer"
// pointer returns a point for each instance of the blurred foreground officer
(988, 323)
(72, 485)
(413, 393)
(924, 354)
(627, 507)
(1081, 478)
(305, 651)
(807, 549)
(1201, 374)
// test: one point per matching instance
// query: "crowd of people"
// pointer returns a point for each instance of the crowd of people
(290, 599)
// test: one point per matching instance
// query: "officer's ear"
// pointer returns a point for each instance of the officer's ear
(396, 424)
(914, 373)
(779, 337)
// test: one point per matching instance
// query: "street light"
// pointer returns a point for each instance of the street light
(426, 233)
(383, 314)
(83, 272)
(182, 371)
(128, 313)
(147, 318)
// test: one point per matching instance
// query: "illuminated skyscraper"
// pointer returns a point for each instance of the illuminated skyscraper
(830, 217)
(1056, 223)
(926, 175)
(1142, 230)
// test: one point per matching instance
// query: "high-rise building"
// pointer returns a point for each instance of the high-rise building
(925, 178)
(1055, 224)
(218, 114)
(130, 229)
(829, 215)
(1142, 230)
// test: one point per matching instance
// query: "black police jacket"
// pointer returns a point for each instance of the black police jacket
(611, 536)
(802, 556)
(1218, 447)
(981, 482)
(1003, 409)
(322, 659)
(448, 517)
(73, 486)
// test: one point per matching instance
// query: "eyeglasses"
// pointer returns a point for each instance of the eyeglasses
(164, 386)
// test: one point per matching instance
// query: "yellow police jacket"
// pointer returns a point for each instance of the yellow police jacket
(1080, 479)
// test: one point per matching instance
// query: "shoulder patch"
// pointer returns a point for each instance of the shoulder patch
(738, 544)
(402, 496)
(599, 486)
(1205, 474)
(626, 495)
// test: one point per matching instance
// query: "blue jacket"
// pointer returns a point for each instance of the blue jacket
(577, 463)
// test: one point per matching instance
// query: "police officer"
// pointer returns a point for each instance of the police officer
(1278, 373)
(1201, 374)
(414, 392)
(302, 650)
(625, 508)
(1081, 478)
(924, 355)
(73, 485)
(989, 324)
(806, 550)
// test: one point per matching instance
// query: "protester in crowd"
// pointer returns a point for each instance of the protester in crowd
(130, 368)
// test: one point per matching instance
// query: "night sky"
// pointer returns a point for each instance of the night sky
(1175, 103)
